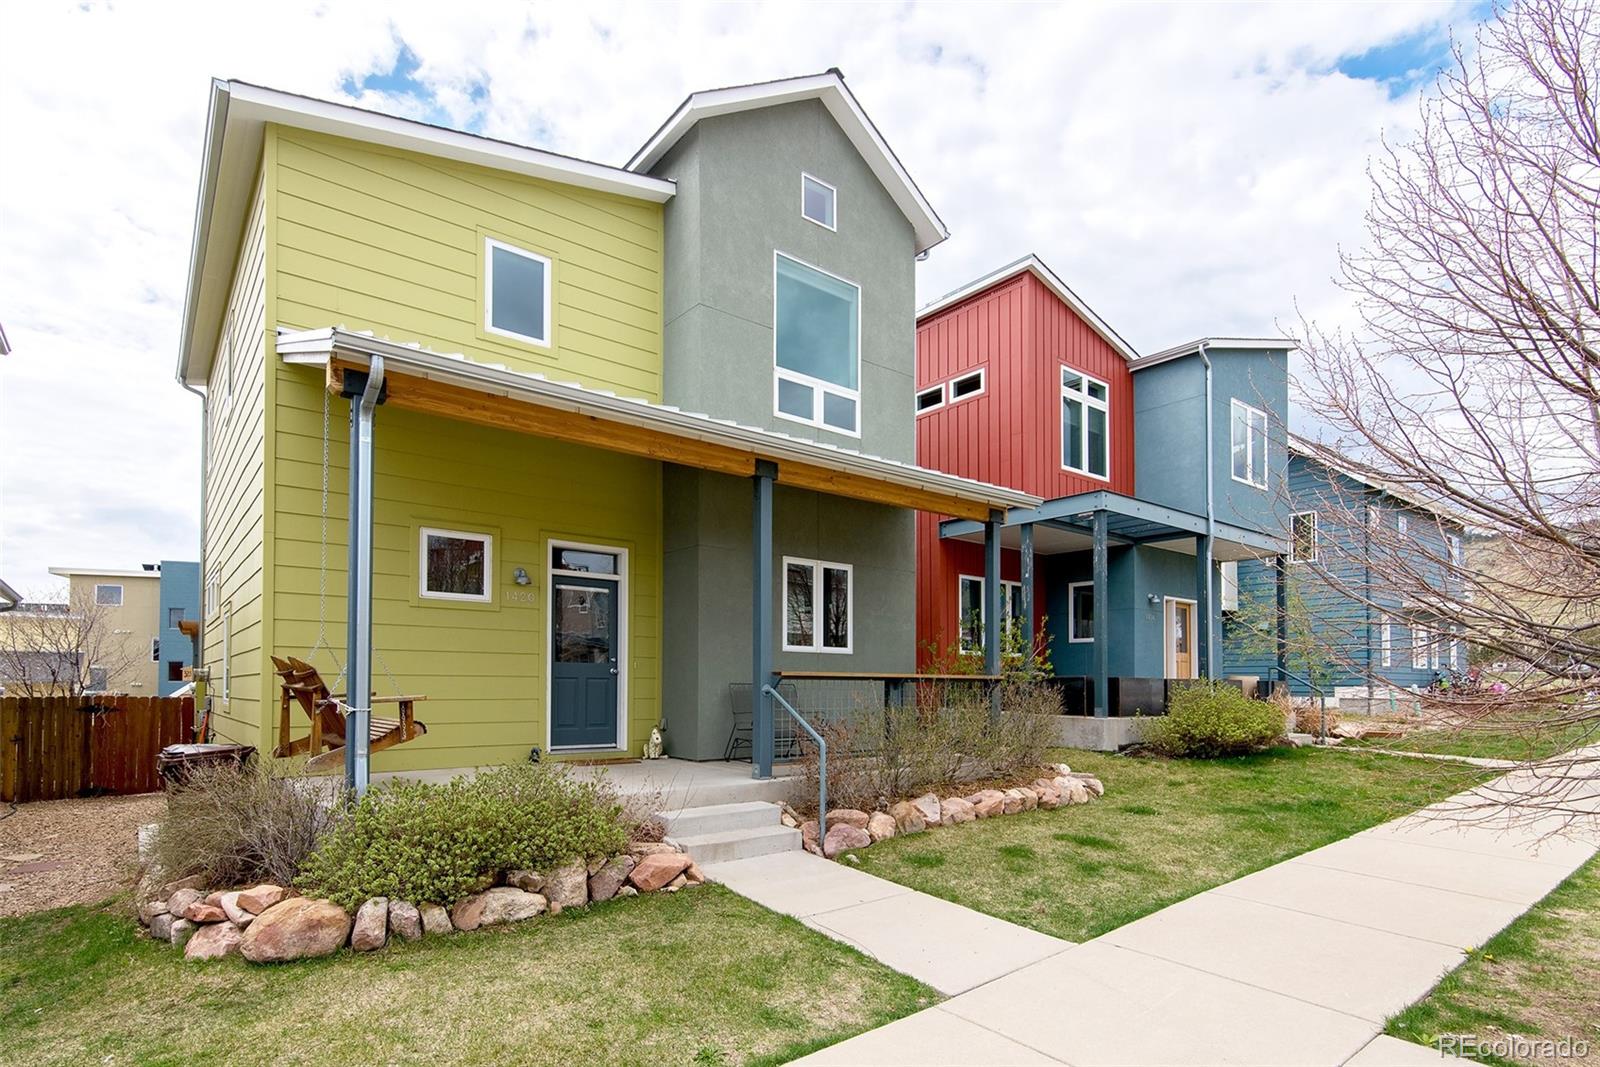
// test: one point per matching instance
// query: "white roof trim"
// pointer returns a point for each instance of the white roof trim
(102, 572)
(1264, 344)
(1036, 266)
(830, 89)
(315, 347)
(232, 156)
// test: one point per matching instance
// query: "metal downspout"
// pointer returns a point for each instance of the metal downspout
(359, 701)
(205, 492)
(1211, 511)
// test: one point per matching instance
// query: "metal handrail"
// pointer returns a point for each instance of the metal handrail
(822, 761)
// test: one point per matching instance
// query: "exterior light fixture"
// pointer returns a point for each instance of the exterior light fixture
(520, 576)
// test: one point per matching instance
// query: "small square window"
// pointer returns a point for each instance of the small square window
(456, 565)
(108, 595)
(174, 670)
(817, 201)
(516, 300)
(929, 399)
(174, 617)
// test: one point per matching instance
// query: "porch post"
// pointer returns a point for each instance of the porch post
(761, 732)
(1202, 605)
(365, 391)
(1281, 617)
(1101, 617)
(1030, 620)
(992, 622)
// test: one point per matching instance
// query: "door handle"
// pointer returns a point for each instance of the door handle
(613, 670)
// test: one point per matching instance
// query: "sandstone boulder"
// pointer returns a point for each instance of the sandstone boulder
(987, 802)
(236, 914)
(604, 883)
(201, 912)
(568, 886)
(161, 926)
(505, 904)
(435, 920)
(955, 810)
(180, 902)
(467, 913)
(653, 872)
(1049, 798)
(650, 848)
(261, 897)
(371, 930)
(907, 818)
(848, 817)
(842, 838)
(808, 836)
(677, 883)
(182, 930)
(213, 941)
(150, 909)
(1092, 784)
(1013, 802)
(927, 806)
(293, 929)
(194, 881)
(881, 826)
(694, 875)
(405, 921)
(1030, 797)
(528, 881)
(1075, 792)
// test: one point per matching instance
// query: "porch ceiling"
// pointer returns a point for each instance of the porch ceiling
(452, 386)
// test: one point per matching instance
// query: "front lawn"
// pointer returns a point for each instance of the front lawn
(1166, 829)
(700, 976)
(1519, 744)
(1539, 977)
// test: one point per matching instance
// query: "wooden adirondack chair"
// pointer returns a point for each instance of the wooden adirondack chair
(303, 686)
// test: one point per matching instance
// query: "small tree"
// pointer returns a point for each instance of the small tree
(63, 649)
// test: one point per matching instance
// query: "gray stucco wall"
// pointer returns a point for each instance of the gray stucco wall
(738, 201)
(707, 593)
(1169, 426)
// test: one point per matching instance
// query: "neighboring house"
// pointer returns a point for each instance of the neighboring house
(179, 601)
(22, 659)
(128, 600)
(1021, 384)
(9, 597)
(1352, 628)
(644, 433)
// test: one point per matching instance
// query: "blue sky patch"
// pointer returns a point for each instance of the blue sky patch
(1406, 62)
(400, 83)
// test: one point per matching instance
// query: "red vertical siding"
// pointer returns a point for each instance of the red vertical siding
(1021, 334)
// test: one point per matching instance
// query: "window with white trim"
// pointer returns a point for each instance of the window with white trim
(1248, 440)
(155, 650)
(819, 202)
(1385, 641)
(109, 596)
(1080, 612)
(227, 649)
(1085, 424)
(1303, 542)
(213, 595)
(1453, 544)
(516, 293)
(817, 605)
(974, 616)
(1229, 596)
(816, 346)
(455, 565)
(968, 385)
(1420, 640)
(930, 398)
(1400, 524)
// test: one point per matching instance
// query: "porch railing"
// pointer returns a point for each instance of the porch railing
(822, 759)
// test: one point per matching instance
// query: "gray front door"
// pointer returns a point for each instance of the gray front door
(583, 663)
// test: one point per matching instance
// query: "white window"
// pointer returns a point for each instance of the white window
(1385, 641)
(108, 595)
(1080, 612)
(1420, 639)
(1249, 444)
(817, 606)
(816, 346)
(967, 385)
(818, 201)
(974, 614)
(227, 649)
(1303, 545)
(1453, 543)
(454, 565)
(213, 591)
(1374, 517)
(930, 398)
(1230, 585)
(516, 293)
(1085, 424)
(155, 650)
(1400, 524)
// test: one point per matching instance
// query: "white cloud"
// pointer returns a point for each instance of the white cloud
(1190, 169)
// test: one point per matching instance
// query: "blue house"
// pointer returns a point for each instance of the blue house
(180, 601)
(1355, 632)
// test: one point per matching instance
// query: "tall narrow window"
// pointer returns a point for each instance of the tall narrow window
(1420, 640)
(1228, 599)
(1385, 641)
(818, 201)
(1303, 537)
(1085, 424)
(817, 602)
(1080, 612)
(1453, 543)
(816, 339)
(1248, 441)
(1400, 524)
(516, 301)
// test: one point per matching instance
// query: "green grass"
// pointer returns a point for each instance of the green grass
(1165, 829)
(1539, 977)
(699, 976)
(1509, 744)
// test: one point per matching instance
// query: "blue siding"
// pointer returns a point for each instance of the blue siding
(180, 590)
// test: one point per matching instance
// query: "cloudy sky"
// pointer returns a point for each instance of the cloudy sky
(1190, 169)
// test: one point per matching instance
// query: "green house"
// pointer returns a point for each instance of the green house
(639, 435)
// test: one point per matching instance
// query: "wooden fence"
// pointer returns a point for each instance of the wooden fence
(57, 747)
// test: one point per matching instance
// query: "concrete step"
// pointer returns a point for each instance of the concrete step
(715, 818)
(729, 845)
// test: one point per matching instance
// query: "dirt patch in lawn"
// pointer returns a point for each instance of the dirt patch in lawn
(57, 852)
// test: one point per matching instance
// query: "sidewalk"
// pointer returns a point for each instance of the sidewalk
(1245, 973)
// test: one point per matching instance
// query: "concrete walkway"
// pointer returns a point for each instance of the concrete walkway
(1299, 963)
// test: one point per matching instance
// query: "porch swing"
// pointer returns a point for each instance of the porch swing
(302, 685)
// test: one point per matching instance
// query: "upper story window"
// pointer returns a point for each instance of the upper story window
(1085, 418)
(816, 347)
(1249, 444)
(930, 398)
(1400, 524)
(1303, 537)
(174, 618)
(516, 293)
(819, 201)
(966, 385)
(108, 595)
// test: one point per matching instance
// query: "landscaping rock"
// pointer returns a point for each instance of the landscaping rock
(293, 929)
(467, 914)
(261, 897)
(568, 886)
(371, 930)
(194, 881)
(881, 826)
(1075, 792)
(1093, 785)
(604, 883)
(927, 806)
(528, 881)
(956, 810)
(907, 818)
(808, 837)
(1063, 769)
(657, 870)
(214, 941)
(435, 920)
(1030, 798)
(405, 921)
(650, 848)
(161, 926)
(848, 817)
(202, 912)
(987, 802)
(627, 891)
(694, 874)
(214, 898)
(677, 883)
(508, 905)
(150, 909)
(842, 838)
(789, 818)
(1012, 802)
(593, 864)
(1049, 798)
(178, 903)
(236, 914)
(182, 930)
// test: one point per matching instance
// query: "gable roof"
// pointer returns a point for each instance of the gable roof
(232, 156)
(1312, 452)
(1032, 264)
(829, 88)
